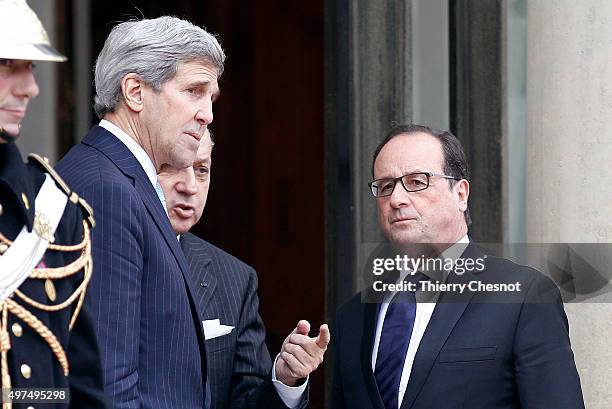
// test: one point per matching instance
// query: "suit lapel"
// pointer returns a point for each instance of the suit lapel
(449, 309)
(199, 261)
(107, 143)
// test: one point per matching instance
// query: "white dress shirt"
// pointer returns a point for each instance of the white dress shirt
(290, 395)
(424, 310)
(132, 145)
(140, 155)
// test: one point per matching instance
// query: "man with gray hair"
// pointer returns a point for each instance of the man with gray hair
(156, 80)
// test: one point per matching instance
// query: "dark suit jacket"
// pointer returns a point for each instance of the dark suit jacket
(476, 353)
(239, 364)
(149, 331)
(27, 347)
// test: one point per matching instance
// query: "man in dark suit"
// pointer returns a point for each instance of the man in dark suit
(155, 83)
(241, 374)
(463, 346)
(46, 334)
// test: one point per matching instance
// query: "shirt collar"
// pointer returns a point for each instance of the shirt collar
(452, 253)
(456, 250)
(139, 153)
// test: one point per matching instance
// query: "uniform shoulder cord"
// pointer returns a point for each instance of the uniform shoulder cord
(83, 262)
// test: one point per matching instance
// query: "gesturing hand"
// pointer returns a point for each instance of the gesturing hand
(301, 354)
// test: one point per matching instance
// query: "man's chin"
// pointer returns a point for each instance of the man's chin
(7, 136)
(408, 232)
(180, 226)
(407, 238)
(181, 230)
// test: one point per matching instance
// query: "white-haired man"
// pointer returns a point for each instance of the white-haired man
(156, 80)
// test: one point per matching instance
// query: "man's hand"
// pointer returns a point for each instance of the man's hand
(301, 354)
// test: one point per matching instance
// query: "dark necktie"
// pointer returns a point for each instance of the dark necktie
(393, 344)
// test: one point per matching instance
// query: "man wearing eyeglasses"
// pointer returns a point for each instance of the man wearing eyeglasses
(457, 346)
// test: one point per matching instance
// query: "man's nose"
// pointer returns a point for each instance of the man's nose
(205, 114)
(400, 197)
(25, 84)
(188, 185)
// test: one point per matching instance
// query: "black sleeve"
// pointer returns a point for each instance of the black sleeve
(545, 371)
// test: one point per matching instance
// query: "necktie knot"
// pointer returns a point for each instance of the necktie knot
(416, 278)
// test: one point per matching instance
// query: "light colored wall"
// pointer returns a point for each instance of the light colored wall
(569, 148)
(38, 132)
(515, 120)
(380, 94)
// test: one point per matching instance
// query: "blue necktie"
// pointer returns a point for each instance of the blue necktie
(161, 196)
(393, 344)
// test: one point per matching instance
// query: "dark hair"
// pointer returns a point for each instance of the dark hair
(455, 161)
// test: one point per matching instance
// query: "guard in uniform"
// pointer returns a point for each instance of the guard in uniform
(46, 335)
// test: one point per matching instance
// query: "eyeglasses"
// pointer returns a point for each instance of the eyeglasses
(412, 182)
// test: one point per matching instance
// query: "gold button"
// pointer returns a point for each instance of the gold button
(3, 248)
(50, 290)
(26, 202)
(74, 198)
(17, 329)
(26, 371)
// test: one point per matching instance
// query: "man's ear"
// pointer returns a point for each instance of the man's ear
(462, 189)
(132, 89)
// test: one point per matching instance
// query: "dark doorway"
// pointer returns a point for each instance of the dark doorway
(266, 203)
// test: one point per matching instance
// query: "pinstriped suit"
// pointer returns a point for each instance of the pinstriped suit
(238, 363)
(149, 331)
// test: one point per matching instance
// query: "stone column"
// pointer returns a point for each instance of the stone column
(569, 148)
(380, 91)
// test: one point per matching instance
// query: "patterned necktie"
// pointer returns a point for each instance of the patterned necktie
(393, 345)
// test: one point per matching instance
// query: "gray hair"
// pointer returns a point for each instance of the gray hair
(153, 49)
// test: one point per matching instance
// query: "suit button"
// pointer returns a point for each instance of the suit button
(203, 284)
(30, 407)
(1, 210)
(26, 371)
(17, 330)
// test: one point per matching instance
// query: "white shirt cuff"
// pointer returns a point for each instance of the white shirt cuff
(290, 395)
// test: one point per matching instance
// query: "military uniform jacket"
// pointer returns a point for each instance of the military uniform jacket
(32, 363)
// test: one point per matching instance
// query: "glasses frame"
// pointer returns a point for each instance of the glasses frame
(401, 180)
